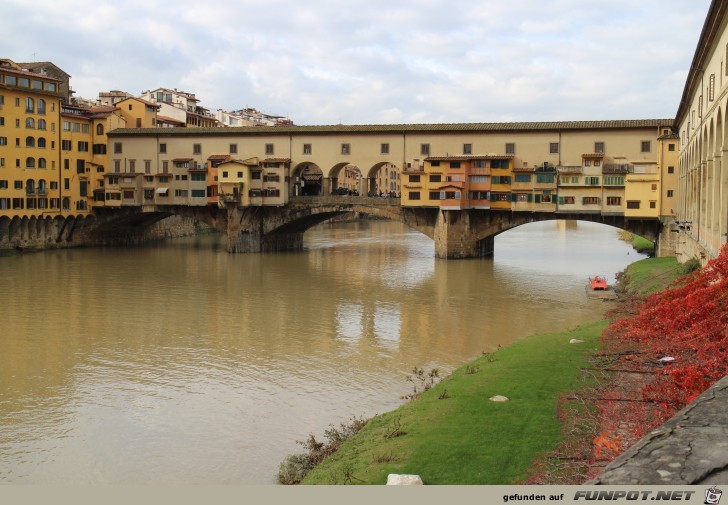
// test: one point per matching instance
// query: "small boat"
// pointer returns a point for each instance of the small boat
(597, 287)
(598, 283)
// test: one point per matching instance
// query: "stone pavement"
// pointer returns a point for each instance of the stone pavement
(690, 448)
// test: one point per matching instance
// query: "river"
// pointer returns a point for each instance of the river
(180, 363)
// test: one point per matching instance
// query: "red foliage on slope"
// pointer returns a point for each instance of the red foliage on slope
(688, 322)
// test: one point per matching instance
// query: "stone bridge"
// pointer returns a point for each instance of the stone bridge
(457, 234)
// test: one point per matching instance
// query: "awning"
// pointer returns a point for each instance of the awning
(161, 191)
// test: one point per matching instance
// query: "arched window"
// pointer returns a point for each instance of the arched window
(41, 142)
(42, 163)
(41, 124)
(29, 142)
(30, 123)
(29, 105)
(42, 187)
(41, 106)
(99, 129)
(30, 186)
(29, 162)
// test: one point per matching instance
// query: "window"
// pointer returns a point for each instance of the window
(196, 149)
(306, 148)
(654, 187)
(29, 142)
(345, 148)
(30, 123)
(3, 184)
(670, 170)
(384, 149)
(522, 178)
(269, 149)
(29, 105)
(467, 148)
(510, 148)
(414, 195)
(501, 179)
(598, 147)
(554, 148)
(99, 129)
(425, 149)
(633, 204)
(41, 124)
(98, 148)
(435, 178)
(199, 193)
(590, 200)
(117, 147)
(669, 193)
(568, 200)
(66, 145)
(498, 163)
(414, 178)
(671, 147)
(233, 149)
(645, 146)
(711, 87)
(591, 181)
(545, 178)
(454, 164)
(653, 204)
(522, 197)
(434, 195)
(83, 147)
(597, 163)
(587, 163)
(147, 166)
(479, 179)
(613, 180)
(117, 166)
(163, 148)
(18, 185)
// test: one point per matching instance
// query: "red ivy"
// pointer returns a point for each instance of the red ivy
(690, 323)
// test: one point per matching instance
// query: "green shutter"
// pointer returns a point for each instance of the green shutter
(538, 198)
(561, 200)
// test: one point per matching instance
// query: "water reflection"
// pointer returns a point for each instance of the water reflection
(181, 363)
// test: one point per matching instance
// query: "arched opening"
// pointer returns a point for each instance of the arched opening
(29, 142)
(384, 180)
(307, 180)
(346, 180)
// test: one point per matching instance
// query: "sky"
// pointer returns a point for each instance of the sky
(322, 62)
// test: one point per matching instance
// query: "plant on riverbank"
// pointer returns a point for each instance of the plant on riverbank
(688, 323)
(296, 466)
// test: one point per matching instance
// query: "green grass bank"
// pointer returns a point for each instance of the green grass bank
(454, 433)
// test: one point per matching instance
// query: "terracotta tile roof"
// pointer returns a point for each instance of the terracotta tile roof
(215, 157)
(277, 160)
(524, 169)
(406, 128)
(593, 155)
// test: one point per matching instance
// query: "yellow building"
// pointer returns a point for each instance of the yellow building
(30, 172)
(252, 183)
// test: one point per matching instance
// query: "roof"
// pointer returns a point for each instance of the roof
(215, 157)
(399, 128)
(593, 155)
(277, 160)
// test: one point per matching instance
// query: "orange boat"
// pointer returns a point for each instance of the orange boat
(598, 283)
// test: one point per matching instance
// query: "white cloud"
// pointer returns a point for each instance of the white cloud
(372, 61)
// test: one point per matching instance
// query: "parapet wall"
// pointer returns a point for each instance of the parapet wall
(690, 448)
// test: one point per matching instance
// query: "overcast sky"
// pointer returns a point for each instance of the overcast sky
(373, 61)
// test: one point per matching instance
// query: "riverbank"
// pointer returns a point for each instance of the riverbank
(550, 430)
(454, 434)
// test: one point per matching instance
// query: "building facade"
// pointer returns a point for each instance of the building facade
(702, 207)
